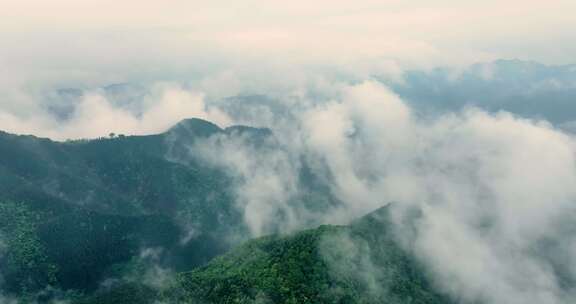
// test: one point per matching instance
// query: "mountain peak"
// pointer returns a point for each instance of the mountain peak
(194, 126)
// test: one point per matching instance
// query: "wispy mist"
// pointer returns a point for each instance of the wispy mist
(341, 91)
(493, 188)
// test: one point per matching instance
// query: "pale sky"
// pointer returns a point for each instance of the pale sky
(222, 48)
(445, 31)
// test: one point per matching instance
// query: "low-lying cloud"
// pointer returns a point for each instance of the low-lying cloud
(94, 115)
(493, 189)
(496, 190)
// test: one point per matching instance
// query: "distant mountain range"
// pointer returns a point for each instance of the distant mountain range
(525, 88)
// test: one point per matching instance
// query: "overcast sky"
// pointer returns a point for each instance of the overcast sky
(445, 31)
(222, 47)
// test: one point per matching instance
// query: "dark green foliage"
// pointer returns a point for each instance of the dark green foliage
(25, 265)
(269, 267)
(93, 204)
(128, 293)
(88, 209)
(361, 263)
(129, 175)
(97, 242)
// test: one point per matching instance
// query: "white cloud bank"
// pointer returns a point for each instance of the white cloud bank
(223, 48)
(96, 116)
(493, 189)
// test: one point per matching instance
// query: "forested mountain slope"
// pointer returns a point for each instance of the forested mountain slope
(359, 263)
(72, 211)
(109, 221)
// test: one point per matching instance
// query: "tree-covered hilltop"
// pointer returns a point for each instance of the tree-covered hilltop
(359, 263)
(76, 214)
(72, 212)
(139, 219)
(124, 175)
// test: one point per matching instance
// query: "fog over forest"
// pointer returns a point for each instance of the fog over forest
(261, 152)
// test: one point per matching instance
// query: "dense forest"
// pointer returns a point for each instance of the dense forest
(107, 221)
(359, 263)
(75, 213)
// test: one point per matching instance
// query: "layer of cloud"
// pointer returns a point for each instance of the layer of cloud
(226, 48)
(396, 28)
(493, 188)
(94, 115)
